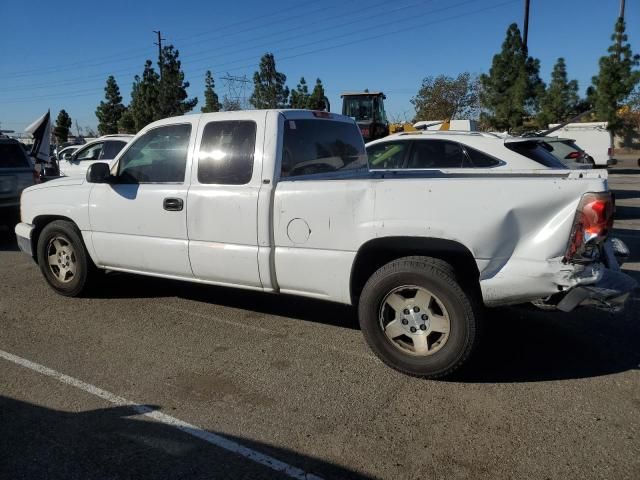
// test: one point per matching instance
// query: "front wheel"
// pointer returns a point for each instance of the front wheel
(417, 319)
(63, 259)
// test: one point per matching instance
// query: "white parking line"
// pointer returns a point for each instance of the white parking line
(185, 427)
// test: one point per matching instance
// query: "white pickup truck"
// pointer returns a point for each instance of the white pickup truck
(283, 201)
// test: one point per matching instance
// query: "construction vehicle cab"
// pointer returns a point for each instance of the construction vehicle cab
(367, 109)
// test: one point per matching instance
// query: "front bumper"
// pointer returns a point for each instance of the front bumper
(612, 289)
(23, 236)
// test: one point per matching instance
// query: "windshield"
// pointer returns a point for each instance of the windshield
(12, 156)
(358, 107)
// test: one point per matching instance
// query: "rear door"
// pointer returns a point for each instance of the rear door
(222, 204)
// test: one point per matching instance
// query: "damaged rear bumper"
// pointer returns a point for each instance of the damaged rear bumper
(611, 289)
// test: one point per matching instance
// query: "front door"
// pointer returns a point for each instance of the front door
(138, 220)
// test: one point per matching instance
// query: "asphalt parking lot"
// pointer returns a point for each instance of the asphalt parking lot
(160, 379)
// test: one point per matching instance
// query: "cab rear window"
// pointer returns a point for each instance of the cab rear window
(321, 146)
(12, 156)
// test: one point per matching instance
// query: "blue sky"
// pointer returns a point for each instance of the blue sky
(58, 54)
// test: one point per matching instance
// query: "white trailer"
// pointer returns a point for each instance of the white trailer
(592, 137)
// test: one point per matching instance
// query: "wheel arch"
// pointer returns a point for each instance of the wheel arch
(379, 251)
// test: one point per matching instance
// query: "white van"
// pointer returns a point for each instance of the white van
(592, 137)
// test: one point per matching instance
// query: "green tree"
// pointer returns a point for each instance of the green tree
(211, 102)
(300, 96)
(317, 99)
(446, 97)
(127, 123)
(616, 79)
(511, 90)
(270, 90)
(110, 111)
(145, 97)
(63, 124)
(172, 89)
(560, 101)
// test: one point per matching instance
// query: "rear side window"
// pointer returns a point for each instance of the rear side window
(437, 154)
(321, 146)
(537, 152)
(479, 159)
(387, 155)
(226, 152)
(111, 149)
(12, 156)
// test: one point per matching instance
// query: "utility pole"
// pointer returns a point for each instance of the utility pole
(159, 44)
(525, 30)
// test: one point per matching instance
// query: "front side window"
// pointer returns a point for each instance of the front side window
(437, 154)
(387, 155)
(111, 149)
(158, 156)
(321, 146)
(226, 152)
(91, 152)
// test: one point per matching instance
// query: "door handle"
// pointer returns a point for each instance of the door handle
(173, 204)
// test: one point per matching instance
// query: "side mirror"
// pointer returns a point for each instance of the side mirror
(67, 156)
(98, 173)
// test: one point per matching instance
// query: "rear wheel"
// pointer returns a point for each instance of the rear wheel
(63, 259)
(416, 317)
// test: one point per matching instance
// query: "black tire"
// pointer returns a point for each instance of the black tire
(84, 268)
(439, 278)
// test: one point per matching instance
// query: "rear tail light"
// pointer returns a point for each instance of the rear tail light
(610, 151)
(365, 132)
(573, 155)
(593, 220)
(36, 176)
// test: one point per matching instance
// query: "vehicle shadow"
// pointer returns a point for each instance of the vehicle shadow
(7, 240)
(627, 213)
(117, 443)
(626, 194)
(121, 285)
(525, 344)
(624, 171)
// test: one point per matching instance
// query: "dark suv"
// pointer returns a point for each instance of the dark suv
(16, 174)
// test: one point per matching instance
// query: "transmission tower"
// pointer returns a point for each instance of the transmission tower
(236, 90)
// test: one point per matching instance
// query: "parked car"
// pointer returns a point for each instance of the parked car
(16, 173)
(104, 148)
(67, 152)
(592, 137)
(444, 150)
(283, 201)
(570, 154)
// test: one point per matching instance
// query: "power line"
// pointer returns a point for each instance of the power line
(87, 79)
(318, 50)
(119, 56)
(385, 13)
